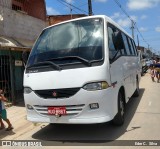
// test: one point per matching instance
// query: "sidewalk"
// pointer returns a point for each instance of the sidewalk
(17, 116)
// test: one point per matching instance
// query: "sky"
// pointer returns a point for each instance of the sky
(145, 14)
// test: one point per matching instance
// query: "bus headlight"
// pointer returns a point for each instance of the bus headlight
(27, 90)
(96, 86)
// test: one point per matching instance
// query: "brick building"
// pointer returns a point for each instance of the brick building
(145, 52)
(54, 19)
(21, 21)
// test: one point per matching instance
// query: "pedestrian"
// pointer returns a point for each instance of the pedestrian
(152, 72)
(157, 69)
(3, 112)
(154, 60)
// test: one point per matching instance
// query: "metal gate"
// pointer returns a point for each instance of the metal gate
(5, 75)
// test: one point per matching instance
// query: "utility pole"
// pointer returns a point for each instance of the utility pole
(138, 40)
(71, 10)
(90, 8)
(132, 28)
(150, 50)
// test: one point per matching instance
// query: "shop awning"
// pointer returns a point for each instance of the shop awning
(7, 43)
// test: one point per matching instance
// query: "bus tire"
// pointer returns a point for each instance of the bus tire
(119, 118)
(136, 93)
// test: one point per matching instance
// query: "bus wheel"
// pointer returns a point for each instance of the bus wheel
(119, 118)
(136, 93)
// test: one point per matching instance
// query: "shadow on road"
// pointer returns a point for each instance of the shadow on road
(95, 133)
(4, 133)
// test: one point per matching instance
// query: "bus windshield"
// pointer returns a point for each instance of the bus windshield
(72, 42)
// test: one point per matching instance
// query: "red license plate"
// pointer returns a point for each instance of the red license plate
(57, 110)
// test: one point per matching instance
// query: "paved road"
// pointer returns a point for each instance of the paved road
(142, 123)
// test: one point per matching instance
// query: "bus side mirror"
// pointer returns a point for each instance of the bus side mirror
(25, 56)
(118, 40)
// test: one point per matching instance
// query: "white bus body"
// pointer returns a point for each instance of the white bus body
(75, 78)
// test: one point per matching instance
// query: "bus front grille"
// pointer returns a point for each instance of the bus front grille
(57, 93)
(70, 109)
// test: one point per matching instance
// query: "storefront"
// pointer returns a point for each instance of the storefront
(11, 71)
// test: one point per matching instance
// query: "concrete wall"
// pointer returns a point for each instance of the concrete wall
(6, 3)
(19, 25)
(1, 20)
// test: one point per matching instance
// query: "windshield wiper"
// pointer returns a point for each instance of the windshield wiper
(53, 65)
(84, 61)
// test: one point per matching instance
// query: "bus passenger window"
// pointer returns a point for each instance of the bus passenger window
(126, 44)
(112, 49)
(115, 43)
(131, 47)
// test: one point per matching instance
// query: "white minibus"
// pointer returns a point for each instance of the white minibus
(81, 71)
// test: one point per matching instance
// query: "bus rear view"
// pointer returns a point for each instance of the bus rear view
(67, 77)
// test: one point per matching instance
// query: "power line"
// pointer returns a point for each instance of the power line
(73, 6)
(133, 22)
(153, 38)
(118, 3)
(84, 4)
(141, 35)
(67, 5)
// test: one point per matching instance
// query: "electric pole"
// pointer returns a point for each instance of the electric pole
(138, 40)
(71, 10)
(132, 28)
(90, 8)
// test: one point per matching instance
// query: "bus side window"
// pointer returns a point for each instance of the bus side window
(131, 47)
(112, 49)
(115, 43)
(126, 44)
(134, 47)
(118, 42)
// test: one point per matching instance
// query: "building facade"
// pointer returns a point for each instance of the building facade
(145, 52)
(21, 21)
(54, 19)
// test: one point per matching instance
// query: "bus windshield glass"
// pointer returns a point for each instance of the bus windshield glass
(70, 43)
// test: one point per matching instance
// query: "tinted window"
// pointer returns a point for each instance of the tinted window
(114, 52)
(112, 48)
(131, 47)
(126, 44)
(134, 47)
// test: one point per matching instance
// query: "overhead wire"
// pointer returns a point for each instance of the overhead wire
(118, 3)
(73, 6)
(84, 4)
(69, 6)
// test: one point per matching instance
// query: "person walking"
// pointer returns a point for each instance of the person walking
(157, 69)
(3, 113)
(152, 73)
